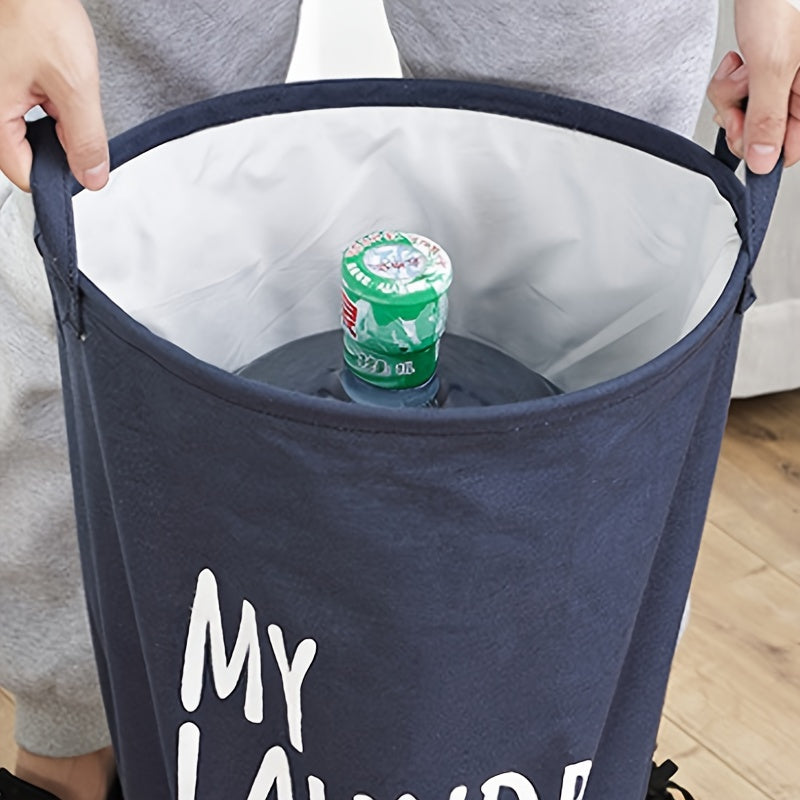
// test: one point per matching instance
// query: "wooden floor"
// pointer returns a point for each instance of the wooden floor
(732, 716)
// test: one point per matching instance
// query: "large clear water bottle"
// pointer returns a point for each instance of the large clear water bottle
(392, 350)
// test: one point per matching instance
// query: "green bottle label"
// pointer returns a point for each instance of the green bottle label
(394, 307)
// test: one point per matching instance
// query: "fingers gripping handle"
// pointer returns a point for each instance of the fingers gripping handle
(52, 186)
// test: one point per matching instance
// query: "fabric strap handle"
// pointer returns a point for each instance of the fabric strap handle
(761, 191)
(53, 186)
(760, 195)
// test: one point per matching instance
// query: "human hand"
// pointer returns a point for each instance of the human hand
(48, 57)
(767, 74)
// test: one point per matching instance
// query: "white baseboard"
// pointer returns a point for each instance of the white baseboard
(769, 354)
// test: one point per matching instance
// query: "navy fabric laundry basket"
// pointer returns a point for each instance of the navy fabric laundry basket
(296, 597)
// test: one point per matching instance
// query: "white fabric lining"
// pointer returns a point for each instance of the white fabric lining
(579, 256)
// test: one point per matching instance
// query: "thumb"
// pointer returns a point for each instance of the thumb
(80, 128)
(766, 117)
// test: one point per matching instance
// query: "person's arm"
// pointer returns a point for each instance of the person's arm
(768, 74)
(48, 57)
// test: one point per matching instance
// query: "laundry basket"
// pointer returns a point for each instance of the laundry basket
(295, 595)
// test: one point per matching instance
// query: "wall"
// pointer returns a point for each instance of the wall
(343, 39)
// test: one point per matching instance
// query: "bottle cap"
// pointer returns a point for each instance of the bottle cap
(394, 307)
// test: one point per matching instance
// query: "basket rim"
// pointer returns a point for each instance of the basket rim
(447, 94)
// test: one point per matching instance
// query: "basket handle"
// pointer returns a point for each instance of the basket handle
(52, 187)
(761, 191)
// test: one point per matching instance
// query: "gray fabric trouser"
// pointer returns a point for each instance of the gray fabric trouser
(650, 59)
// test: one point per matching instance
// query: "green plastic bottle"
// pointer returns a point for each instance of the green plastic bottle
(392, 350)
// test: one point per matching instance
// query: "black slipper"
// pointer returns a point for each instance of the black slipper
(14, 788)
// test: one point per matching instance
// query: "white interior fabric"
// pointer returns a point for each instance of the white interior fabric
(581, 257)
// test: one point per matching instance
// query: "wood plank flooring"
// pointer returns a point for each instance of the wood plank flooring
(732, 715)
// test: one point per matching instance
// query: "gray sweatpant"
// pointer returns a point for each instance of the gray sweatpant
(650, 59)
